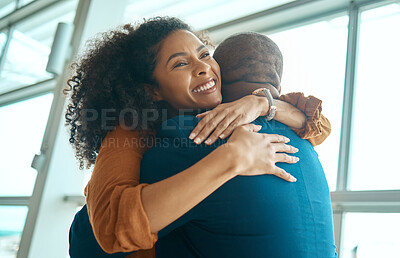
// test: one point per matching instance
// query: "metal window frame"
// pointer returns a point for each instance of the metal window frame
(27, 92)
(15, 201)
(8, 23)
(348, 98)
(25, 12)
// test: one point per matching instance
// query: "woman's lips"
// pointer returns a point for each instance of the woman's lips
(206, 88)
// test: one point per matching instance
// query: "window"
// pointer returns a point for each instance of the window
(12, 220)
(375, 142)
(315, 65)
(21, 139)
(199, 16)
(26, 96)
(371, 235)
(31, 40)
(7, 7)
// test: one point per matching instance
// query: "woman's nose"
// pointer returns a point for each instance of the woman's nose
(201, 68)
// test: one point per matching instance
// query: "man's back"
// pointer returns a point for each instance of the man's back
(249, 216)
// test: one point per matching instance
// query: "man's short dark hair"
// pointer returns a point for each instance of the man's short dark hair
(249, 57)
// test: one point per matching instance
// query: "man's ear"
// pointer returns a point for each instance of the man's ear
(154, 92)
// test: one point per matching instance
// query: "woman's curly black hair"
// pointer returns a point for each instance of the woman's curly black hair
(108, 84)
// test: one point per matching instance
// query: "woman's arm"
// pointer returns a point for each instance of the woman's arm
(317, 127)
(289, 115)
(125, 216)
(302, 114)
(113, 195)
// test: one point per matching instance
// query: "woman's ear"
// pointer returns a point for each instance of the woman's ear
(154, 92)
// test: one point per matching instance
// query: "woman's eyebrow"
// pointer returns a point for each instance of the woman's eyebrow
(183, 53)
(200, 48)
(176, 55)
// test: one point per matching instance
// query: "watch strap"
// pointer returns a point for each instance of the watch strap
(264, 92)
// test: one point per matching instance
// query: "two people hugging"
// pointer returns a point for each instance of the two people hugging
(240, 190)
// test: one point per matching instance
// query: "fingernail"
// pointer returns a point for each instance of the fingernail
(296, 150)
(208, 141)
(296, 159)
(287, 139)
(197, 140)
(191, 136)
(292, 179)
(222, 136)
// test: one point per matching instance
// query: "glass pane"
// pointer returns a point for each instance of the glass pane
(12, 221)
(33, 38)
(7, 7)
(20, 142)
(315, 65)
(378, 81)
(200, 18)
(371, 235)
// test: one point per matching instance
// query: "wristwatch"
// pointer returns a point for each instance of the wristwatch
(264, 92)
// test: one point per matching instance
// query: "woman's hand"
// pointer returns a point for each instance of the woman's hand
(257, 153)
(224, 118)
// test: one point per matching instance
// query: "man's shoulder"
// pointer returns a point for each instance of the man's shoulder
(275, 127)
(177, 127)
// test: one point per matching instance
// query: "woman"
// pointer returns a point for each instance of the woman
(134, 69)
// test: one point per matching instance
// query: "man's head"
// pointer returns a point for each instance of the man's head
(249, 61)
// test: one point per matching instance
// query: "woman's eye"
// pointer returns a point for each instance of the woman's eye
(206, 54)
(179, 64)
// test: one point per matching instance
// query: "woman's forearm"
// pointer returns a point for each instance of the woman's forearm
(169, 199)
(289, 115)
(222, 120)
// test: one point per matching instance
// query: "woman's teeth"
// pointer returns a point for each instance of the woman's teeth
(205, 87)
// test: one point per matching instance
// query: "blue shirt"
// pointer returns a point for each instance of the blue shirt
(249, 216)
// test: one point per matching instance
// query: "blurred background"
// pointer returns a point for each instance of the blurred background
(344, 52)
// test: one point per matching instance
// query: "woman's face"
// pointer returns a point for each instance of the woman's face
(188, 76)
